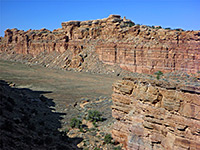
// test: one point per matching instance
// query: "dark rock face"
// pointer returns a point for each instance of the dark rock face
(28, 122)
(153, 114)
(115, 41)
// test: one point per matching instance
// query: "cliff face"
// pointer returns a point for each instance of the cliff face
(153, 114)
(116, 41)
(150, 57)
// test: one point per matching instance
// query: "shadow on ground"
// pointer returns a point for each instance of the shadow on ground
(29, 121)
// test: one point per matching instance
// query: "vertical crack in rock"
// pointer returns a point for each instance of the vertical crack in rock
(115, 53)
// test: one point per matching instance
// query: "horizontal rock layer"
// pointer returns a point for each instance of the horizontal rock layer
(143, 59)
(156, 115)
(116, 41)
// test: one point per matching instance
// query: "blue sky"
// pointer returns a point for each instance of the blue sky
(37, 14)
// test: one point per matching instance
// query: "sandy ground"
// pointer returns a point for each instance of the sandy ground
(62, 86)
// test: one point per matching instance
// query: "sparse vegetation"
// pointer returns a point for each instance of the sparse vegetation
(158, 27)
(76, 123)
(108, 138)
(168, 28)
(179, 29)
(130, 24)
(94, 116)
(117, 148)
(158, 73)
(94, 124)
(81, 129)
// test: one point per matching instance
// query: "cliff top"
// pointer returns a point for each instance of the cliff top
(111, 20)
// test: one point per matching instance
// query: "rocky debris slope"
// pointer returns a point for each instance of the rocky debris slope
(156, 114)
(93, 132)
(27, 121)
(90, 45)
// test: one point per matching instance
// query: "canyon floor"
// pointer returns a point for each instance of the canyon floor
(62, 85)
(73, 94)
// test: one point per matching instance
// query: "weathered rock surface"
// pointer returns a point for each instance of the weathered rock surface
(112, 40)
(154, 114)
(149, 57)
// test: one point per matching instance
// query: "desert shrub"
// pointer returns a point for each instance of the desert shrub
(108, 138)
(94, 124)
(94, 116)
(117, 148)
(178, 29)
(76, 123)
(81, 129)
(159, 27)
(158, 73)
(130, 24)
(168, 28)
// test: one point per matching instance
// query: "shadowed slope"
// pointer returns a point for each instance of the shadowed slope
(28, 121)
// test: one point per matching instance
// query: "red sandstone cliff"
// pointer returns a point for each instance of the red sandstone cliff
(116, 41)
(150, 114)
(156, 115)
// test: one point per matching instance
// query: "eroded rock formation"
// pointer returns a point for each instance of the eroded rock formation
(116, 41)
(156, 115)
(150, 57)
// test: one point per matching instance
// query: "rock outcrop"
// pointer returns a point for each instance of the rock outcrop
(115, 41)
(156, 115)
